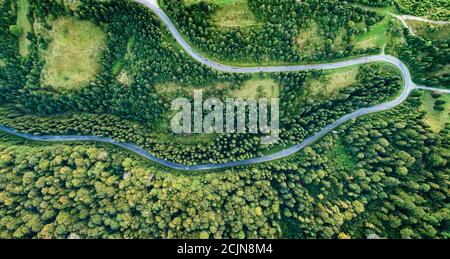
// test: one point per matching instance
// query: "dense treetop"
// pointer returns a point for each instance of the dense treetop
(384, 174)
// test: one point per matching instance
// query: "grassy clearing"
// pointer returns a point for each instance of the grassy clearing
(118, 66)
(25, 25)
(74, 53)
(375, 38)
(125, 78)
(230, 13)
(2, 63)
(235, 14)
(123, 75)
(309, 40)
(258, 88)
(217, 2)
(331, 83)
(435, 119)
(430, 31)
(169, 91)
(340, 158)
(381, 10)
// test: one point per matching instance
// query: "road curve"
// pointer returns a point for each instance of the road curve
(409, 86)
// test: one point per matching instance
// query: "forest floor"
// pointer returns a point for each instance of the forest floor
(72, 58)
(25, 25)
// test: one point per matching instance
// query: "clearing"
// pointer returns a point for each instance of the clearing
(218, 2)
(125, 78)
(258, 88)
(171, 91)
(73, 56)
(434, 118)
(230, 13)
(120, 70)
(430, 31)
(331, 83)
(375, 38)
(25, 25)
(309, 41)
(2, 63)
(340, 158)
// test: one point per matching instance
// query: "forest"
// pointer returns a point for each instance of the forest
(282, 21)
(381, 176)
(384, 175)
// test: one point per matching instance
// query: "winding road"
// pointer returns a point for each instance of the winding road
(152, 4)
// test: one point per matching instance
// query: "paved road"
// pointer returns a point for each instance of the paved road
(409, 86)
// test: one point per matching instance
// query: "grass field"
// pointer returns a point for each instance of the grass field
(2, 63)
(74, 53)
(331, 83)
(25, 25)
(258, 88)
(435, 119)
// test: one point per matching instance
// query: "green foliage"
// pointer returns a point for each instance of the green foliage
(93, 192)
(16, 30)
(374, 3)
(428, 60)
(394, 187)
(436, 9)
(274, 40)
(385, 174)
(375, 84)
